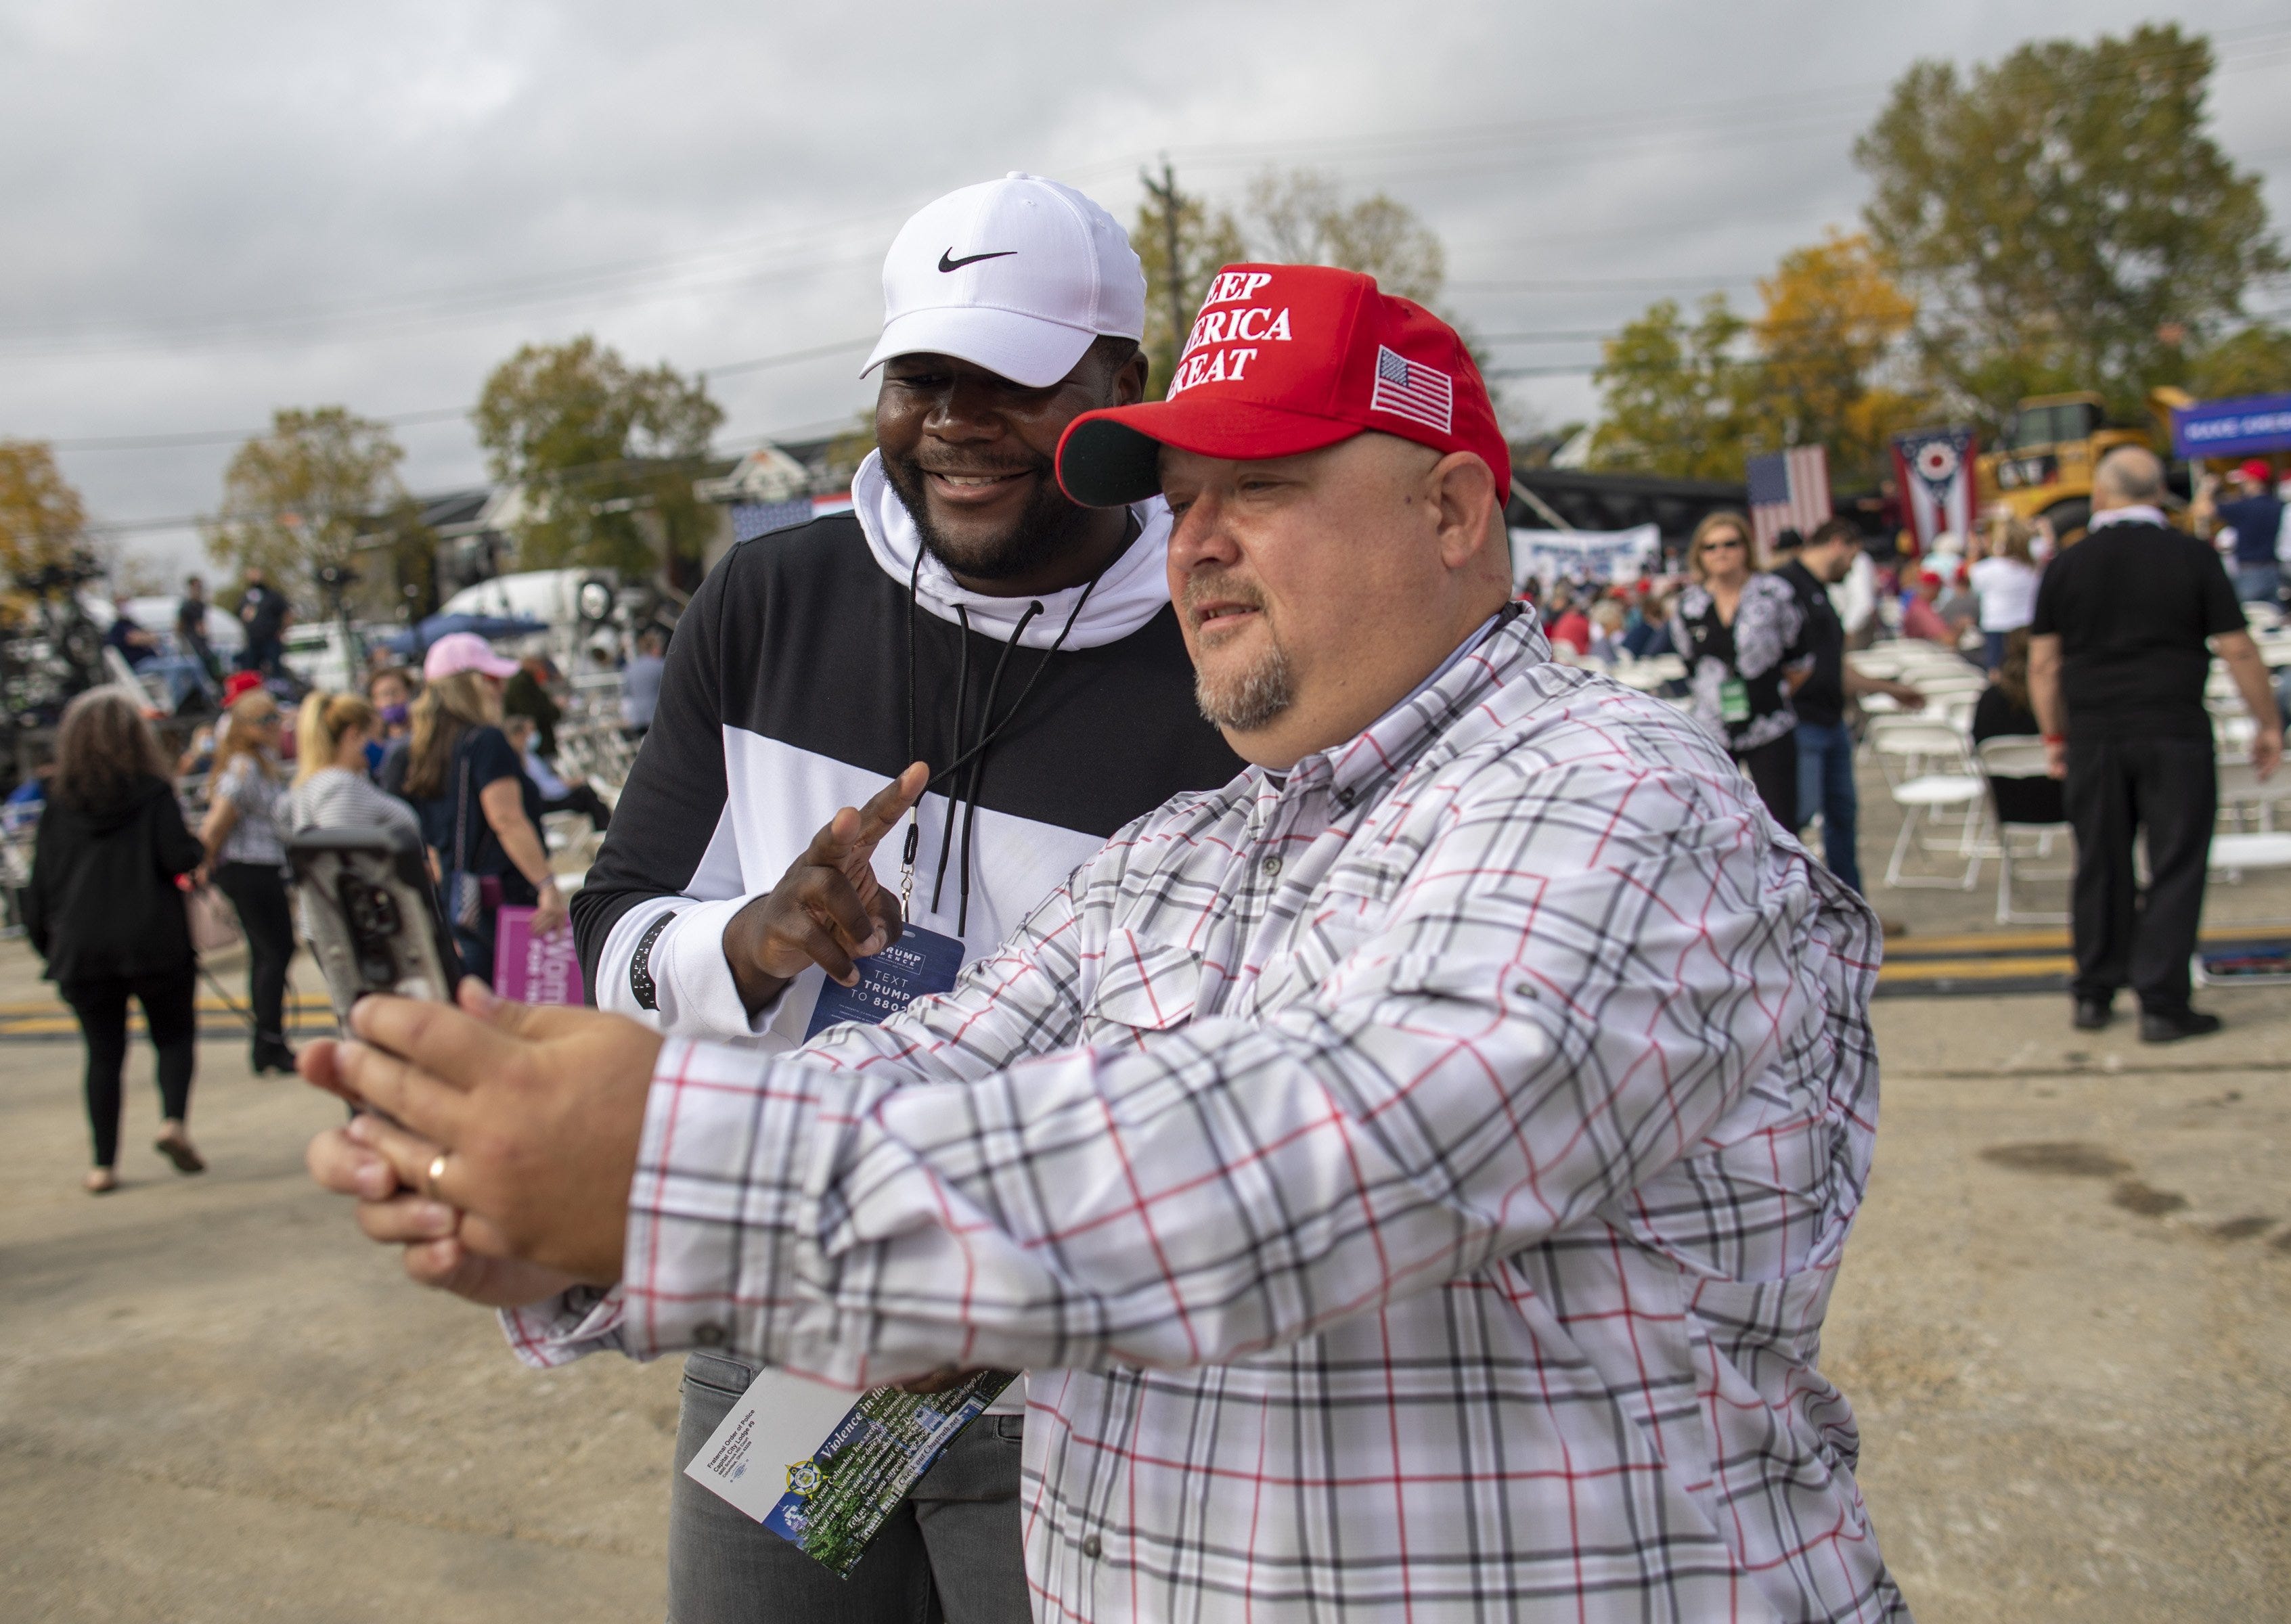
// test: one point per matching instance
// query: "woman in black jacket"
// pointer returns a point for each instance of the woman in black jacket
(103, 909)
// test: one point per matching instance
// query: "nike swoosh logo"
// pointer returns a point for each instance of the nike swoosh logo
(946, 264)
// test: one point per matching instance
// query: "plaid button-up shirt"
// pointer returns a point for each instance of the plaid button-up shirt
(1414, 1182)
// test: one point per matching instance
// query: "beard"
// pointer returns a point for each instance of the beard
(1041, 532)
(1245, 700)
(1250, 698)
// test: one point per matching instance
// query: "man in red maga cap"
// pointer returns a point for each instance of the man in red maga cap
(1413, 1173)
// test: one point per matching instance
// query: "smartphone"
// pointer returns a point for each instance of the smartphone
(370, 916)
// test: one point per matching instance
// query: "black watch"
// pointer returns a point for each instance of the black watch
(641, 981)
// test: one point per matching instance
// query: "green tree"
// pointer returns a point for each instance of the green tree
(2253, 360)
(2063, 218)
(606, 454)
(1673, 394)
(302, 497)
(42, 517)
(1205, 238)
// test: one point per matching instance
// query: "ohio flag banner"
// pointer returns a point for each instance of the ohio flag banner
(1934, 470)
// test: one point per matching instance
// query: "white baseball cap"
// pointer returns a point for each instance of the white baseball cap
(1018, 275)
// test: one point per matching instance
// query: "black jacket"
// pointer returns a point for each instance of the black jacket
(103, 901)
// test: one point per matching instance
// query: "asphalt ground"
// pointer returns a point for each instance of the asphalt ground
(2064, 1321)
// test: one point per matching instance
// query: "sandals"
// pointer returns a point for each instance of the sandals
(179, 1153)
(99, 1181)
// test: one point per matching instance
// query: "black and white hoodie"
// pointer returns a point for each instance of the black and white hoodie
(786, 697)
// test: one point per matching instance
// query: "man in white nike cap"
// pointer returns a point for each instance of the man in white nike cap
(966, 613)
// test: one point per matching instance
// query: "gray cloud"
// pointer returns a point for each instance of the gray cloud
(212, 211)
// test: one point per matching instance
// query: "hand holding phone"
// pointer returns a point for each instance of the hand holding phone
(371, 916)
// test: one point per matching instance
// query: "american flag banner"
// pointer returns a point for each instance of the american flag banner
(750, 519)
(1410, 389)
(1788, 491)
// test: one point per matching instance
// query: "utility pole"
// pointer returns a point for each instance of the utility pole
(1165, 193)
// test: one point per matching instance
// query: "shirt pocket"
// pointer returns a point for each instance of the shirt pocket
(1346, 909)
(1142, 987)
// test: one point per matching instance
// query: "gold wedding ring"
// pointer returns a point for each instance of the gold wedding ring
(437, 1172)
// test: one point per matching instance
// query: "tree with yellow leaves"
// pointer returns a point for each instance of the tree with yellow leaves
(41, 515)
(1830, 368)
(1822, 364)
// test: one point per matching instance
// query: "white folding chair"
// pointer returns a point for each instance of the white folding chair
(2234, 855)
(1938, 774)
(2020, 756)
(2243, 794)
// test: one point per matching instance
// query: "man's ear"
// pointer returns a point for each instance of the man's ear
(1129, 381)
(1464, 490)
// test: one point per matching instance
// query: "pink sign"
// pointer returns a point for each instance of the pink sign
(534, 969)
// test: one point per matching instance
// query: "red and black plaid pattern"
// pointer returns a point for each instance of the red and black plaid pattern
(1415, 1184)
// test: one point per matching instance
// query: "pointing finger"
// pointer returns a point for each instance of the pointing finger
(851, 831)
(889, 804)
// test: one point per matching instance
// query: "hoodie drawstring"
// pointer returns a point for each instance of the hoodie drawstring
(974, 753)
(978, 766)
(961, 695)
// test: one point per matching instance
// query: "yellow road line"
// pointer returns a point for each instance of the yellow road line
(301, 1004)
(1981, 942)
(1976, 969)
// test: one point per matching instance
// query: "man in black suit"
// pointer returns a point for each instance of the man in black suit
(2118, 660)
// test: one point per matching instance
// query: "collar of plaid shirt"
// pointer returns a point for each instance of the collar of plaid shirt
(1414, 1186)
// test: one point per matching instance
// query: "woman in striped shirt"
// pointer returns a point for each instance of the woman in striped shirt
(331, 788)
(241, 836)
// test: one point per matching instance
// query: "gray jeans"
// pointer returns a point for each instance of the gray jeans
(952, 1552)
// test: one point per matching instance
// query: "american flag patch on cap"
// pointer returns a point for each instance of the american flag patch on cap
(1410, 389)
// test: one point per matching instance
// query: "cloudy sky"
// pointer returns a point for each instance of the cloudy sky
(214, 210)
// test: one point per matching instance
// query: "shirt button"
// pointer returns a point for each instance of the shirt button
(708, 1334)
(1345, 797)
(1090, 1548)
(1270, 867)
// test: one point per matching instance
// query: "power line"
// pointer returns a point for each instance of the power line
(1493, 146)
(227, 437)
(580, 474)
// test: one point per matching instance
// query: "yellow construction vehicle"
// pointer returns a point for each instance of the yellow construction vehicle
(2043, 469)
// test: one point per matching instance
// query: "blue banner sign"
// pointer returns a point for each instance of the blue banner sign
(2250, 425)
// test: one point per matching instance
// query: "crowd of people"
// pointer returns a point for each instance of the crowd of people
(1289, 1078)
(1288, 1116)
(121, 889)
(1763, 651)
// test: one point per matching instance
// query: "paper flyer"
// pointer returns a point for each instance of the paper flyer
(834, 1500)
(767, 1457)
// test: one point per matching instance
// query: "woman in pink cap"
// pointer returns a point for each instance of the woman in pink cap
(481, 816)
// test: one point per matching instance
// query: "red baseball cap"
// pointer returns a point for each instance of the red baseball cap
(2257, 471)
(1284, 360)
(239, 684)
